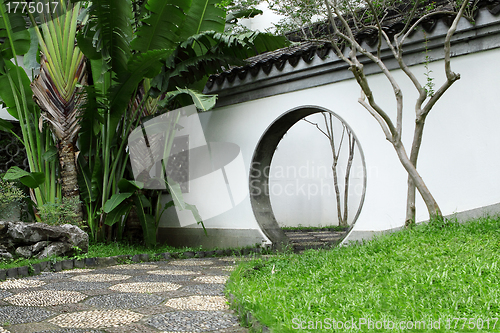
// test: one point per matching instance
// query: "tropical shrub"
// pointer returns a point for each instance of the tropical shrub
(60, 212)
(11, 199)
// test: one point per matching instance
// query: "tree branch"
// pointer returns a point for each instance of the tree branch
(377, 116)
(451, 77)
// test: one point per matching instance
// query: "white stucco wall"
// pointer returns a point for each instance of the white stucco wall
(458, 159)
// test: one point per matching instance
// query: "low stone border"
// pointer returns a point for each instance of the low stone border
(49, 266)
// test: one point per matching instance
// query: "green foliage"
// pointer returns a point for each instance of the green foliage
(165, 52)
(11, 197)
(59, 212)
(439, 270)
(29, 179)
(429, 85)
(16, 96)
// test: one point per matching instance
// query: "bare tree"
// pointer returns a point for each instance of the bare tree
(348, 21)
(328, 131)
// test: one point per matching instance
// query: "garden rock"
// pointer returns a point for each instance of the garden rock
(40, 240)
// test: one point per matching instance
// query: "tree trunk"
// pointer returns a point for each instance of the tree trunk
(69, 186)
(352, 143)
(430, 202)
(415, 149)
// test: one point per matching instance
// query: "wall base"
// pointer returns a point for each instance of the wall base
(221, 238)
(461, 217)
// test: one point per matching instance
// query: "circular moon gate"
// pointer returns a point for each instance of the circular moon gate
(261, 163)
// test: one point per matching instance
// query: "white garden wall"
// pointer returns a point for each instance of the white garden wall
(458, 158)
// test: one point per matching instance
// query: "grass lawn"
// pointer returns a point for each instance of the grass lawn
(433, 278)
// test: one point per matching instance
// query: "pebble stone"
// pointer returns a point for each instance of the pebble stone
(77, 270)
(69, 330)
(211, 279)
(135, 266)
(212, 289)
(172, 272)
(192, 262)
(76, 286)
(4, 294)
(100, 277)
(198, 303)
(193, 321)
(3, 330)
(124, 301)
(54, 275)
(45, 298)
(161, 278)
(19, 315)
(20, 284)
(195, 299)
(145, 287)
(228, 268)
(96, 319)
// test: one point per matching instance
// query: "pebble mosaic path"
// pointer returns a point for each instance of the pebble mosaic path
(169, 296)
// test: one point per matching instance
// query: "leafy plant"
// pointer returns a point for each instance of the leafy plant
(140, 66)
(11, 197)
(60, 212)
(16, 95)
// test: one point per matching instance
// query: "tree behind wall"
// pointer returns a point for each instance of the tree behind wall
(383, 24)
(347, 141)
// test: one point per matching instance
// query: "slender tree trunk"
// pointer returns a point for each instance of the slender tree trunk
(352, 143)
(69, 185)
(415, 149)
(337, 194)
(430, 202)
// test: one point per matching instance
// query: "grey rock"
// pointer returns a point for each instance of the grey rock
(37, 247)
(4, 254)
(40, 240)
(77, 236)
(24, 251)
(57, 249)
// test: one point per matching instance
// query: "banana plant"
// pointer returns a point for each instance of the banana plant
(137, 66)
(16, 95)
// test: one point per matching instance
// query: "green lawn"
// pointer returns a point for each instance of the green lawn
(431, 274)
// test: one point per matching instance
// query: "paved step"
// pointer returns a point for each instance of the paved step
(306, 239)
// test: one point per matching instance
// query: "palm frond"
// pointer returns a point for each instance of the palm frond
(62, 73)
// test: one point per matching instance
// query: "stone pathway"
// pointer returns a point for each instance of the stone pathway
(168, 296)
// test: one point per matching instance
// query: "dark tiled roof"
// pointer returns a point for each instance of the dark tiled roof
(307, 50)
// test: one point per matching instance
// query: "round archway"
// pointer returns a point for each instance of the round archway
(338, 134)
